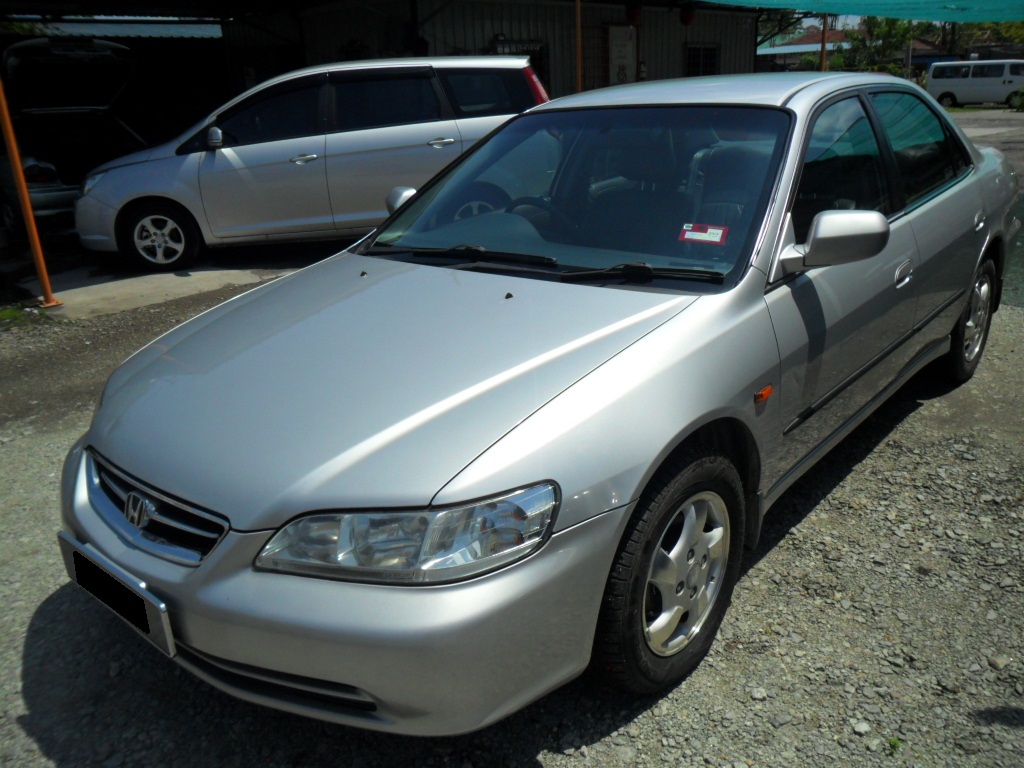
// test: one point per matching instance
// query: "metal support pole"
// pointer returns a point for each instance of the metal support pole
(579, 46)
(824, 38)
(26, 204)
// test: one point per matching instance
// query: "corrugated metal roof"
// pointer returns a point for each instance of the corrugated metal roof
(783, 50)
(168, 29)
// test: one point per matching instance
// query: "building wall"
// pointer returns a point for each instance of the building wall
(542, 29)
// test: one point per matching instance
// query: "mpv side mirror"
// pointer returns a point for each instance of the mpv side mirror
(837, 237)
(214, 138)
(396, 198)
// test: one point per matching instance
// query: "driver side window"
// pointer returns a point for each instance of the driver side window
(842, 167)
(284, 112)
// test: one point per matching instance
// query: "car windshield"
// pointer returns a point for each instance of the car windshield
(672, 189)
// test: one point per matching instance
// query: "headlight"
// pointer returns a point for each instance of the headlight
(90, 182)
(422, 547)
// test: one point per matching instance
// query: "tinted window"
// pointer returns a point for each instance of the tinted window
(481, 92)
(926, 157)
(1017, 69)
(946, 73)
(679, 187)
(842, 167)
(282, 112)
(363, 102)
(987, 70)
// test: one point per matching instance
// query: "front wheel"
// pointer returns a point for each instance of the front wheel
(971, 331)
(947, 100)
(160, 236)
(673, 576)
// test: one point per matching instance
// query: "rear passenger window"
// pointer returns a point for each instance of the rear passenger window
(376, 102)
(926, 156)
(1017, 69)
(842, 167)
(987, 70)
(484, 92)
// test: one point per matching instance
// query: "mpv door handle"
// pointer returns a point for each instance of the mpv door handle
(438, 143)
(302, 159)
(904, 273)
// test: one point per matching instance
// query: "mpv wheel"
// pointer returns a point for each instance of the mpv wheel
(673, 576)
(971, 331)
(947, 100)
(160, 236)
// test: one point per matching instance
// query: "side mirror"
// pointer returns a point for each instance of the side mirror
(397, 197)
(837, 237)
(214, 138)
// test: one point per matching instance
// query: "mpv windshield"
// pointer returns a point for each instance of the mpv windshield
(679, 188)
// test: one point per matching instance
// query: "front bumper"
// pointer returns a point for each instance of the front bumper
(96, 224)
(427, 660)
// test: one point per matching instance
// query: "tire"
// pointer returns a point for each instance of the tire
(160, 236)
(947, 100)
(673, 575)
(971, 331)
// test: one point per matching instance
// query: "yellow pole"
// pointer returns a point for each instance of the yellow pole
(26, 205)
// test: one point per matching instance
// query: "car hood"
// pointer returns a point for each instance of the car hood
(355, 383)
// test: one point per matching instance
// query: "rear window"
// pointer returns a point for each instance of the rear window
(485, 92)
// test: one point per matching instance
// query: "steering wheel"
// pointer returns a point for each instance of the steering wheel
(544, 205)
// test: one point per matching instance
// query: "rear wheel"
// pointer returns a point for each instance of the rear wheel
(971, 332)
(160, 236)
(673, 577)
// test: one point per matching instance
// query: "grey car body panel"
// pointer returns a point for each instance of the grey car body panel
(483, 383)
(463, 366)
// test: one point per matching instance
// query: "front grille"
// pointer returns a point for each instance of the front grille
(172, 529)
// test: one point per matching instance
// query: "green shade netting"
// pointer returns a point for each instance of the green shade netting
(920, 10)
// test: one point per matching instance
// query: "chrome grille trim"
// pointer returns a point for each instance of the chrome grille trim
(175, 531)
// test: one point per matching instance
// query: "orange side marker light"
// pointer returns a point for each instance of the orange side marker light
(763, 394)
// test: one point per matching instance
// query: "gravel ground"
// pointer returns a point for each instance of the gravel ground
(879, 623)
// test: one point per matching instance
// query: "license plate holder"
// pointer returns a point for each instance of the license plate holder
(121, 592)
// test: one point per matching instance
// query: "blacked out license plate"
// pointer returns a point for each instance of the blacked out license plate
(119, 591)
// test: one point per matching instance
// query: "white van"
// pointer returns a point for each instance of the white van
(975, 82)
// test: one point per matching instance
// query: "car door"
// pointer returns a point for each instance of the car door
(942, 202)
(840, 328)
(269, 177)
(391, 128)
(484, 98)
(987, 82)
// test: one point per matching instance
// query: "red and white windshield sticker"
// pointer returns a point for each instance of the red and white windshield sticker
(704, 233)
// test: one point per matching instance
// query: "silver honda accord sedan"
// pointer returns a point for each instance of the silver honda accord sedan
(422, 483)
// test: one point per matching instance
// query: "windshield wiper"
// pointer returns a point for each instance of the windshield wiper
(469, 253)
(642, 272)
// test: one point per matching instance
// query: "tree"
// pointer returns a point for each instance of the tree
(878, 42)
(773, 23)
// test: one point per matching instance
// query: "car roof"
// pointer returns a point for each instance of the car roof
(438, 62)
(764, 89)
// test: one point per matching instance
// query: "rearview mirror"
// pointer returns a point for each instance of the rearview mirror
(396, 198)
(214, 138)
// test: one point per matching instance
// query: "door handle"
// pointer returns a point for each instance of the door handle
(979, 221)
(302, 159)
(439, 142)
(904, 274)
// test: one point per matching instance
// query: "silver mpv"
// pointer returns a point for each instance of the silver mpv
(422, 483)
